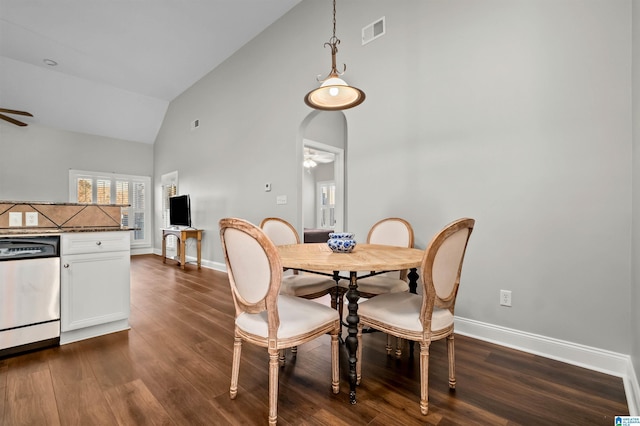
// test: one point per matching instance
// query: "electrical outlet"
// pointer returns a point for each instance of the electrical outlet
(31, 219)
(15, 218)
(505, 297)
(281, 199)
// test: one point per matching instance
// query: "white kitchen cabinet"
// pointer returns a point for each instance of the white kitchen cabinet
(95, 283)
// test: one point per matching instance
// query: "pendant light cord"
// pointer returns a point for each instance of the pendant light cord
(334, 21)
(333, 44)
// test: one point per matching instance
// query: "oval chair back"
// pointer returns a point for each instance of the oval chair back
(280, 231)
(392, 231)
(253, 267)
(442, 266)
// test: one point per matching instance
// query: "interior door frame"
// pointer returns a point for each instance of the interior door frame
(338, 177)
(319, 185)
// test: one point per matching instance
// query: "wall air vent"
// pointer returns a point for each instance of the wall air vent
(373, 31)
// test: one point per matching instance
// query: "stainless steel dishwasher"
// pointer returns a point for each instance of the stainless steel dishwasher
(29, 293)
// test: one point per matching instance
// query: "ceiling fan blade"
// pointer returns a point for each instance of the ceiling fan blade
(12, 120)
(13, 111)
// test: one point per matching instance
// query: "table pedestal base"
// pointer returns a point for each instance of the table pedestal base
(352, 339)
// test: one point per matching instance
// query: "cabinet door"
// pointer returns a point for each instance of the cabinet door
(95, 289)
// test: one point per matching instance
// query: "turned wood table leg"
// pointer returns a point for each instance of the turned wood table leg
(413, 280)
(413, 288)
(352, 338)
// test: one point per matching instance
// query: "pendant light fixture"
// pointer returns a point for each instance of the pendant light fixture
(334, 93)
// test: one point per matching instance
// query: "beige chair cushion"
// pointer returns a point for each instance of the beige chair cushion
(304, 284)
(402, 310)
(380, 284)
(297, 317)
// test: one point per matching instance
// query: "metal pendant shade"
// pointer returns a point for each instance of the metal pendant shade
(334, 93)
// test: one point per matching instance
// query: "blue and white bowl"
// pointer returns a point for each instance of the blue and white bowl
(341, 242)
(341, 235)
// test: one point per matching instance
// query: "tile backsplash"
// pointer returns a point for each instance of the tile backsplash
(19, 214)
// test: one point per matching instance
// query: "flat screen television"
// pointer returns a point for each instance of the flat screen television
(180, 210)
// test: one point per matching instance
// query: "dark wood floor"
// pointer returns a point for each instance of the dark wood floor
(173, 367)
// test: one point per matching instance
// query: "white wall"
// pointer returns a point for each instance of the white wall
(516, 113)
(35, 160)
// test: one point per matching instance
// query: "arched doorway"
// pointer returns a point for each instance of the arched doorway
(322, 189)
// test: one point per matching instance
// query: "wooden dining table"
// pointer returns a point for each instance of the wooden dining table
(370, 259)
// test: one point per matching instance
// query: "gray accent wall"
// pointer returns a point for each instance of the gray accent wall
(35, 160)
(516, 113)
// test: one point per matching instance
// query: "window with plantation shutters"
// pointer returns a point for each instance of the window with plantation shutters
(84, 190)
(169, 184)
(103, 191)
(109, 188)
(138, 208)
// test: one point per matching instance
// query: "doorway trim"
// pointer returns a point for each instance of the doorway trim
(338, 177)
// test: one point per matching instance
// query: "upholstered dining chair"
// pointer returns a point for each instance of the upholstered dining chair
(264, 316)
(424, 317)
(306, 285)
(391, 231)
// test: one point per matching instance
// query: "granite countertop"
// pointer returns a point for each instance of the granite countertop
(57, 203)
(50, 231)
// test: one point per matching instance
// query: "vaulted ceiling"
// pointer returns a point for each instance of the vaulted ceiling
(119, 62)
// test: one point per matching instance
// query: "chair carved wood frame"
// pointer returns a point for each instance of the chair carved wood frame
(428, 317)
(255, 272)
(282, 232)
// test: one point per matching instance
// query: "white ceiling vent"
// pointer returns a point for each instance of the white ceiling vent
(373, 31)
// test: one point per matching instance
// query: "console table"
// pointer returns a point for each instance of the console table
(182, 235)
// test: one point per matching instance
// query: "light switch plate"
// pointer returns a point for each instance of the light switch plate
(281, 199)
(15, 218)
(31, 219)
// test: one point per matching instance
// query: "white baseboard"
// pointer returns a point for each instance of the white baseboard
(221, 267)
(146, 250)
(203, 262)
(608, 362)
(632, 389)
